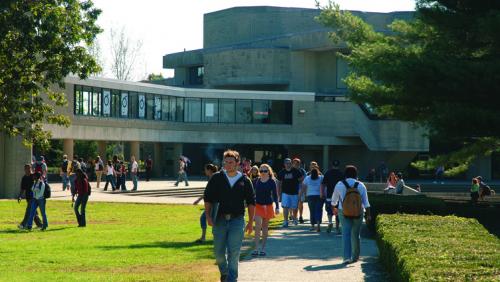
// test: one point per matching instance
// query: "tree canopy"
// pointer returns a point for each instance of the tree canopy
(41, 42)
(440, 70)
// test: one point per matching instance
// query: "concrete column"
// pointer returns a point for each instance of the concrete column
(101, 149)
(134, 150)
(158, 158)
(176, 153)
(68, 148)
(14, 156)
(326, 157)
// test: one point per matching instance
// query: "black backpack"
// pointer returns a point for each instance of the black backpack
(89, 188)
(46, 193)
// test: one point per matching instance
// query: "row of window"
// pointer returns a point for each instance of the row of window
(94, 101)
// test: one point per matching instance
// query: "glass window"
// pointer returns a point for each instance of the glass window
(342, 72)
(226, 111)
(196, 75)
(165, 107)
(149, 106)
(172, 108)
(280, 112)
(179, 109)
(141, 105)
(192, 110)
(260, 111)
(96, 101)
(86, 100)
(157, 107)
(115, 103)
(133, 104)
(210, 110)
(243, 111)
(106, 102)
(124, 104)
(78, 100)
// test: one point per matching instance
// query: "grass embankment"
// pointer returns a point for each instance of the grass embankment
(436, 248)
(122, 242)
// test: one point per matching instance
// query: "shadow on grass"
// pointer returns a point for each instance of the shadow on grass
(180, 246)
(17, 231)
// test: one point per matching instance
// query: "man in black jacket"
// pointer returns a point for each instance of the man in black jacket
(225, 196)
(26, 184)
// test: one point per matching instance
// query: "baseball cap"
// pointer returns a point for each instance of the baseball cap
(288, 160)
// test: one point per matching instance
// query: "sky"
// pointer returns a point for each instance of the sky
(171, 26)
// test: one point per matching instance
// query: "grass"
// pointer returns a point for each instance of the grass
(122, 242)
(437, 248)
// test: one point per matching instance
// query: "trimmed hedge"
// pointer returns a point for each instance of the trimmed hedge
(437, 248)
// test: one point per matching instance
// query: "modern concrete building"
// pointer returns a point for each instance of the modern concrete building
(268, 83)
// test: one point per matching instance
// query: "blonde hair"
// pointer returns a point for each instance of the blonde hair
(271, 172)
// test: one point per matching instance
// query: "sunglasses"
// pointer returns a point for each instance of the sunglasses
(264, 171)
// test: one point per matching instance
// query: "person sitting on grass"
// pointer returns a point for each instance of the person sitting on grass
(391, 184)
(484, 189)
(210, 169)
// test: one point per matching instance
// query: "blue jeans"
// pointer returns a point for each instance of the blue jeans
(228, 237)
(182, 177)
(72, 179)
(350, 235)
(65, 180)
(315, 204)
(81, 200)
(35, 203)
(121, 183)
(110, 179)
(134, 180)
(203, 220)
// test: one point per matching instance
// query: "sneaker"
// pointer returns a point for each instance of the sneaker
(295, 222)
(329, 229)
(301, 220)
(285, 224)
(346, 261)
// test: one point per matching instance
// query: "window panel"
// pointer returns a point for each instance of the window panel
(226, 110)
(210, 110)
(192, 110)
(260, 111)
(243, 111)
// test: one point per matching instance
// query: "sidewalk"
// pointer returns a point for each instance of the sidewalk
(297, 254)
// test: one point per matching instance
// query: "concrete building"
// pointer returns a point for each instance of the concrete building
(268, 83)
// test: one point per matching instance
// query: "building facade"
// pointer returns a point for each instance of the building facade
(268, 83)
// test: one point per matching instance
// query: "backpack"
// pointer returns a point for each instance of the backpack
(64, 166)
(351, 204)
(101, 167)
(89, 188)
(46, 192)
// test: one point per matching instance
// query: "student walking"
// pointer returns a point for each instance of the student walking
(265, 195)
(38, 201)
(315, 196)
(133, 172)
(99, 168)
(296, 164)
(110, 176)
(182, 173)
(26, 183)
(288, 190)
(331, 178)
(210, 169)
(64, 172)
(351, 197)
(123, 177)
(82, 192)
(225, 197)
(149, 167)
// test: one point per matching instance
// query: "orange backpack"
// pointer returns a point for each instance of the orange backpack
(351, 204)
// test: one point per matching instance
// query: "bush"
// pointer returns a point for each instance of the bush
(437, 248)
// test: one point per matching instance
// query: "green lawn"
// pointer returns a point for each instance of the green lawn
(437, 248)
(122, 242)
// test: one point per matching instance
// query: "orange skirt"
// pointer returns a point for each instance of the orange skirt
(264, 211)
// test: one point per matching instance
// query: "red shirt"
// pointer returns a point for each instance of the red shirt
(82, 187)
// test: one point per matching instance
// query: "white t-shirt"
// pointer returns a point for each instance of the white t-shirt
(134, 167)
(313, 186)
(110, 170)
(340, 190)
(234, 179)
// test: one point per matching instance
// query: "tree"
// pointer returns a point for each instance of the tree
(124, 54)
(440, 70)
(41, 42)
(95, 51)
(154, 76)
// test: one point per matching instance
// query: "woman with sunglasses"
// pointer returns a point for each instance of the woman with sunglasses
(266, 194)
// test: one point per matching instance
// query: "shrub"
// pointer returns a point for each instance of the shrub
(437, 248)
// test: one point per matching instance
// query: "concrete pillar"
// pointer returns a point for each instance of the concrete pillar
(68, 148)
(14, 155)
(326, 157)
(158, 162)
(135, 150)
(101, 150)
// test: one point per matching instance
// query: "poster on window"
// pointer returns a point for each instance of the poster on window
(209, 110)
(124, 102)
(142, 106)
(106, 102)
(157, 107)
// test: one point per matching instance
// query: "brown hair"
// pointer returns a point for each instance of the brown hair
(232, 154)
(213, 168)
(271, 172)
(475, 181)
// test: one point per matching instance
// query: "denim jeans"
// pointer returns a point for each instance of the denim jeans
(228, 237)
(27, 214)
(203, 220)
(81, 200)
(35, 203)
(72, 179)
(110, 179)
(315, 204)
(182, 177)
(121, 183)
(350, 235)
(65, 180)
(134, 180)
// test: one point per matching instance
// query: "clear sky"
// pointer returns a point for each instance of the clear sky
(172, 26)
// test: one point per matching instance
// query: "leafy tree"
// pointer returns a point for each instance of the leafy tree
(154, 76)
(41, 42)
(440, 70)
